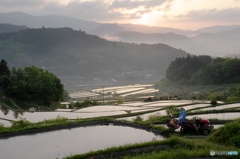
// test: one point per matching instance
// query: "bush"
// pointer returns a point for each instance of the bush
(213, 102)
(20, 123)
(171, 110)
(228, 134)
(234, 98)
(138, 118)
(120, 101)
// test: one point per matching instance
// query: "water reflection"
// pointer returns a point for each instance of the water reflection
(6, 113)
(59, 144)
(5, 110)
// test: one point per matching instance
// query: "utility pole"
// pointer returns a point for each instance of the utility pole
(103, 94)
(156, 90)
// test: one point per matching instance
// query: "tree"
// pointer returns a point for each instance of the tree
(32, 83)
(231, 69)
(4, 70)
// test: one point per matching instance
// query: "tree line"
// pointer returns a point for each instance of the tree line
(30, 83)
(204, 70)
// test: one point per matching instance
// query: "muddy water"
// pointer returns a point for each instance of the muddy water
(59, 144)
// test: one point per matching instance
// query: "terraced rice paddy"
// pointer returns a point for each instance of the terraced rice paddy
(235, 105)
(59, 144)
(121, 109)
(122, 91)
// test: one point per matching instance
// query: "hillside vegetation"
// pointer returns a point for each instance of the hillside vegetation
(7, 28)
(204, 70)
(65, 51)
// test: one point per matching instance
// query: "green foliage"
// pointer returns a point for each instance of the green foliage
(20, 123)
(23, 124)
(183, 148)
(4, 69)
(86, 103)
(229, 134)
(9, 103)
(137, 118)
(65, 51)
(184, 68)
(34, 83)
(171, 110)
(7, 28)
(4, 74)
(213, 102)
(213, 71)
(213, 96)
(234, 98)
(120, 101)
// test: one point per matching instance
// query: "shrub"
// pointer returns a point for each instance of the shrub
(138, 118)
(172, 110)
(120, 101)
(234, 98)
(213, 102)
(20, 123)
(228, 134)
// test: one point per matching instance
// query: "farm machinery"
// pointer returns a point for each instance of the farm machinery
(198, 126)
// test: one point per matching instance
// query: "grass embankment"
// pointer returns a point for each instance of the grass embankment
(226, 138)
(23, 124)
(181, 148)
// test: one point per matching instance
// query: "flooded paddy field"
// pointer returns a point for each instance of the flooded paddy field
(220, 116)
(104, 110)
(227, 106)
(122, 91)
(62, 143)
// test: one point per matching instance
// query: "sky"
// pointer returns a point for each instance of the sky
(182, 14)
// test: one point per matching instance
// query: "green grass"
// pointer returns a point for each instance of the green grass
(171, 141)
(183, 148)
(23, 124)
(229, 134)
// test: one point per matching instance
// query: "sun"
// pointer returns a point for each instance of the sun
(146, 19)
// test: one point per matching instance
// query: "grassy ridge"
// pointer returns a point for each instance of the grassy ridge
(226, 138)
(182, 148)
(23, 124)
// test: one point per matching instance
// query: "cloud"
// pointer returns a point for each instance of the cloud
(103, 10)
(92, 10)
(224, 15)
(20, 3)
(97, 10)
(129, 4)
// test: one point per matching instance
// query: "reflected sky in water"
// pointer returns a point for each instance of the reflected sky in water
(58, 144)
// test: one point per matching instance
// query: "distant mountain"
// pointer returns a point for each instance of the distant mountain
(65, 51)
(221, 43)
(216, 40)
(215, 29)
(54, 21)
(172, 39)
(107, 29)
(154, 29)
(7, 28)
(234, 32)
(57, 21)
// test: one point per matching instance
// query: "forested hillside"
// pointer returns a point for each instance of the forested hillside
(204, 70)
(65, 51)
(7, 28)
